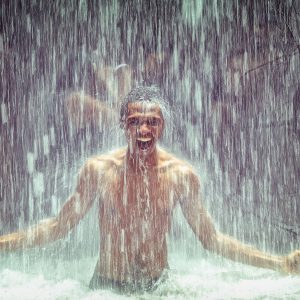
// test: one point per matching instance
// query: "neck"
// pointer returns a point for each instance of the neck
(138, 163)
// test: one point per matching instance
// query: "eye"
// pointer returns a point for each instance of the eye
(133, 122)
(153, 122)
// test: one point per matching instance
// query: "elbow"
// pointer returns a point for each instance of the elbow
(210, 242)
(208, 245)
(51, 232)
(57, 231)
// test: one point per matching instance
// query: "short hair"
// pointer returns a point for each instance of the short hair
(150, 94)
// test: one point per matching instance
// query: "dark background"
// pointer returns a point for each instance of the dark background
(245, 141)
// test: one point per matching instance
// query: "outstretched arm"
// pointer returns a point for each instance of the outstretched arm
(222, 244)
(83, 109)
(55, 228)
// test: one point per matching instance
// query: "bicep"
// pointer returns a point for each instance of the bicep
(195, 212)
(81, 200)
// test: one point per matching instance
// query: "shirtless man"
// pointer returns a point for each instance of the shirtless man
(137, 188)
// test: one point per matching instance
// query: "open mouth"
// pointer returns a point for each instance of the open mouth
(144, 143)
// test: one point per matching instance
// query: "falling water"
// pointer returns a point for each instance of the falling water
(230, 70)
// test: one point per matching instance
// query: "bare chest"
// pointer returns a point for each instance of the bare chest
(138, 204)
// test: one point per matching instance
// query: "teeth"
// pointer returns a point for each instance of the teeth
(144, 139)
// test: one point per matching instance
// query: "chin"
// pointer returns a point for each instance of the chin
(144, 153)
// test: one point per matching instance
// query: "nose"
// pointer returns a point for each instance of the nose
(144, 128)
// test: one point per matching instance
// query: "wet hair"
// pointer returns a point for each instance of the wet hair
(150, 94)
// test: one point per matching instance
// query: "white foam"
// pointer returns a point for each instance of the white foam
(190, 278)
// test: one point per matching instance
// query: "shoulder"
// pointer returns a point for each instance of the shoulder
(179, 168)
(105, 162)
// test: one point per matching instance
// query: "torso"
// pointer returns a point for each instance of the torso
(134, 217)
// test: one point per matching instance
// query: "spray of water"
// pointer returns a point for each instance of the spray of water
(230, 72)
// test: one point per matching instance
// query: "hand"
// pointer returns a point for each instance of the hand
(123, 75)
(117, 81)
(291, 263)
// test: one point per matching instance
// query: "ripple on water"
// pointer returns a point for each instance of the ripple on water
(189, 279)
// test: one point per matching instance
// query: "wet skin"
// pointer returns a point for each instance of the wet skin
(137, 189)
(139, 198)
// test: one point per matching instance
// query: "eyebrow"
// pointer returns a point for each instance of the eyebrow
(137, 115)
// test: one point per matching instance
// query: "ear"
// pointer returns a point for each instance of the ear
(162, 129)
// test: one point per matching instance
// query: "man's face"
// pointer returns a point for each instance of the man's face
(144, 126)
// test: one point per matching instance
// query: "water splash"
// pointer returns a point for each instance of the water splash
(230, 71)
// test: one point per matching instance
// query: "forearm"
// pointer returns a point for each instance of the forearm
(94, 110)
(13, 241)
(84, 109)
(38, 235)
(237, 251)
